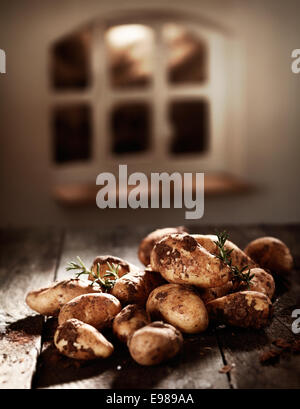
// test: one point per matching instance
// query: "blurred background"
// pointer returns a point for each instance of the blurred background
(193, 86)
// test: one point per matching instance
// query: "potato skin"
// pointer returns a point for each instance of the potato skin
(134, 288)
(75, 339)
(246, 309)
(180, 259)
(97, 310)
(48, 301)
(262, 282)
(155, 343)
(180, 306)
(148, 242)
(239, 257)
(270, 253)
(124, 266)
(130, 318)
(209, 294)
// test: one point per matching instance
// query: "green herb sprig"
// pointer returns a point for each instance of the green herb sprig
(238, 274)
(106, 282)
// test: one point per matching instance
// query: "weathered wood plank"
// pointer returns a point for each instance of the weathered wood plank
(289, 299)
(200, 361)
(243, 347)
(27, 260)
(196, 367)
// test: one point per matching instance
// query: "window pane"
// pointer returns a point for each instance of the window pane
(72, 133)
(71, 60)
(187, 54)
(130, 49)
(189, 122)
(130, 125)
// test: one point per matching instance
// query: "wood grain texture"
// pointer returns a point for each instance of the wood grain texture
(27, 261)
(31, 259)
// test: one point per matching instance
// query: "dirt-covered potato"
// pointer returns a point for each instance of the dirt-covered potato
(49, 300)
(134, 288)
(148, 242)
(104, 261)
(262, 282)
(98, 310)
(179, 258)
(238, 257)
(180, 306)
(270, 253)
(208, 294)
(155, 343)
(78, 340)
(246, 309)
(130, 318)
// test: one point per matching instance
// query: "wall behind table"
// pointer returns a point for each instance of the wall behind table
(269, 30)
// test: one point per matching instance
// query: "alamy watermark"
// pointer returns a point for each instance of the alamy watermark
(137, 191)
(295, 66)
(2, 62)
(296, 323)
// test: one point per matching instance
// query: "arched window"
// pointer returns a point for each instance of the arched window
(145, 92)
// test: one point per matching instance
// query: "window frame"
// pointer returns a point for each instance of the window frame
(223, 91)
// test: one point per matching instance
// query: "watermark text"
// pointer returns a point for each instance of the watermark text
(137, 190)
(2, 62)
(296, 323)
(295, 66)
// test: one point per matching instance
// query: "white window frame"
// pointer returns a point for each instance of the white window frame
(223, 90)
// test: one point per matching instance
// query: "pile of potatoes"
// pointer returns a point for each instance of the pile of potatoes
(182, 288)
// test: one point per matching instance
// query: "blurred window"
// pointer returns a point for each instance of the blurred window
(130, 55)
(72, 129)
(148, 91)
(130, 125)
(70, 62)
(186, 55)
(190, 126)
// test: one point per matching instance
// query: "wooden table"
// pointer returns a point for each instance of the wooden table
(32, 258)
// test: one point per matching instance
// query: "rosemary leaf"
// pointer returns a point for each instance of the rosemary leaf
(238, 274)
(104, 282)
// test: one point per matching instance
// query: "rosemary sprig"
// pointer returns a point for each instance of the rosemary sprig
(112, 270)
(238, 274)
(106, 282)
(224, 254)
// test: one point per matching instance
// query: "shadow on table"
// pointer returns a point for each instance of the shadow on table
(30, 326)
(120, 371)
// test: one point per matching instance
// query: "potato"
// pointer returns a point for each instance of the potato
(130, 318)
(148, 242)
(262, 282)
(246, 309)
(97, 310)
(155, 343)
(180, 306)
(76, 339)
(208, 294)
(180, 259)
(270, 253)
(134, 288)
(49, 300)
(238, 257)
(124, 266)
